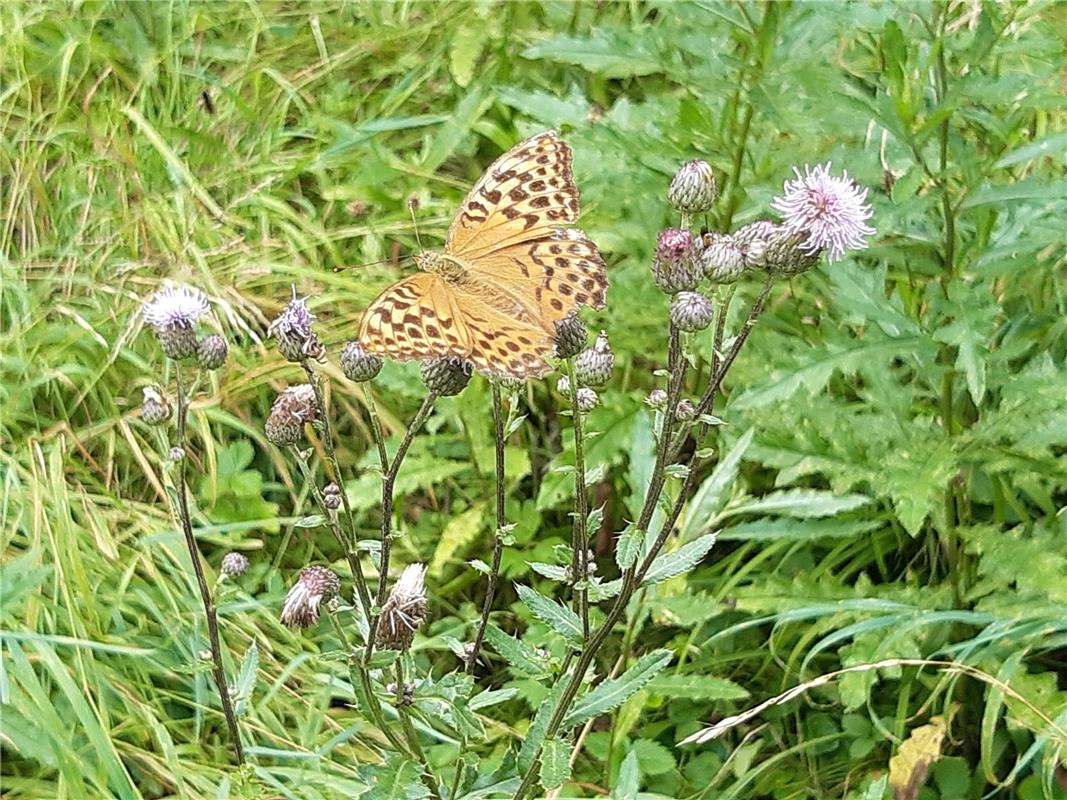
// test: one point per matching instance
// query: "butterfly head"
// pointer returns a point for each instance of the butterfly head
(448, 269)
(428, 261)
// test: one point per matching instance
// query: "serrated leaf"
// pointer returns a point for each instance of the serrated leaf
(460, 531)
(490, 697)
(394, 780)
(535, 734)
(628, 547)
(310, 521)
(558, 617)
(246, 679)
(467, 44)
(553, 572)
(612, 693)
(629, 781)
(516, 652)
(654, 758)
(800, 503)
(555, 763)
(668, 565)
(713, 492)
(697, 687)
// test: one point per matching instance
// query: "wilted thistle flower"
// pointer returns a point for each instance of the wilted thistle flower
(570, 335)
(155, 410)
(292, 330)
(692, 189)
(292, 409)
(446, 376)
(721, 260)
(172, 312)
(830, 212)
(358, 365)
(657, 398)
(674, 266)
(331, 496)
(211, 352)
(563, 385)
(233, 565)
(404, 610)
(587, 399)
(691, 311)
(685, 410)
(315, 586)
(593, 367)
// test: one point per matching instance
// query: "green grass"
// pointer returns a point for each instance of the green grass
(925, 375)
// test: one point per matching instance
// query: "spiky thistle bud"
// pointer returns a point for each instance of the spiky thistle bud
(721, 259)
(292, 409)
(692, 189)
(446, 376)
(785, 254)
(315, 586)
(155, 410)
(571, 335)
(211, 352)
(404, 610)
(358, 365)
(657, 399)
(685, 410)
(593, 367)
(691, 311)
(674, 266)
(331, 496)
(563, 386)
(233, 565)
(172, 312)
(292, 330)
(587, 399)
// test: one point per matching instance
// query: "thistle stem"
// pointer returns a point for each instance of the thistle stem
(579, 534)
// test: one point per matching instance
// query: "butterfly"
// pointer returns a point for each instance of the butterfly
(510, 269)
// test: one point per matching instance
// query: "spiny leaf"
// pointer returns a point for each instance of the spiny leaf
(558, 617)
(612, 693)
(555, 763)
(668, 565)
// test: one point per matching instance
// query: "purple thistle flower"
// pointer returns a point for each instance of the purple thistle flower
(830, 211)
(174, 307)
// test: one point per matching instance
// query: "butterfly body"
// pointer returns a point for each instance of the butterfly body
(509, 271)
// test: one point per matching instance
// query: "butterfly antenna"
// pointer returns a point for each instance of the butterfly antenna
(413, 204)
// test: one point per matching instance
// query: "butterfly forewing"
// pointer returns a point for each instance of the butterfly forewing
(415, 318)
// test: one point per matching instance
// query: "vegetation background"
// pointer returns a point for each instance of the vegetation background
(900, 417)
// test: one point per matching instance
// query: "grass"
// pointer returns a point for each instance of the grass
(247, 147)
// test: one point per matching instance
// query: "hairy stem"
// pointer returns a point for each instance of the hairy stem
(579, 534)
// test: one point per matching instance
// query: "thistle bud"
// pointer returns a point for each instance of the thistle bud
(593, 367)
(570, 336)
(233, 565)
(685, 411)
(692, 189)
(211, 352)
(292, 409)
(292, 330)
(691, 311)
(752, 241)
(563, 386)
(657, 399)
(358, 365)
(587, 399)
(404, 610)
(446, 376)
(315, 586)
(785, 254)
(721, 260)
(674, 266)
(155, 410)
(331, 496)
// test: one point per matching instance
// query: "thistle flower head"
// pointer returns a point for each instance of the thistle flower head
(674, 266)
(831, 212)
(292, 409)
(657, 398)
(446, 376)
(233, 565)
(404, 610)
(155, 410)
(358, 365)
(587, 399)
(570, 335)
(315, 586)
(593, 366)
(211, 351)
(691, 311)
(685, 410)
(292, 330)
(721, 260)
(692, 188)
(172, 312)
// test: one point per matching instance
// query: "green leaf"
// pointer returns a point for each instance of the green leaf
(246, 679)
(555, 763)
(490, 697)
(713, 492)
(676, 562)
(697, 687)
(396, 779)
(535, 734)
(467, 44)
(612, 693)
(654, 758)
(1053, 146)
(800, 503)
(628, 546)
(612, 54)
(516, 652)
(629, 780)
(460, 531)
(558, 617)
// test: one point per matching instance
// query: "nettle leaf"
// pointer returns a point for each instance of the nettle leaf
(612, 693)
(558, 617)
(668, 565)
(697, 687)
(460, 531)
(713, 492)
(516, 652)
(246, 679)
(555, 763)
(801, 503)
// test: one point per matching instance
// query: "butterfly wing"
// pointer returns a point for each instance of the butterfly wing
(415, 318)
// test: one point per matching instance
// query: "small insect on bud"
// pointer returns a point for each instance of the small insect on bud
(674, 266)
(297, 342)
(292, 409)
(563, 386)
(571, 336)
(685, 410)
(211, 352)
(721, 260)
(593, 367)
(314, 587)
(233, 565)
(587, 399)
(172, 312)
(657, 399)
(692, 189)
(404, 610)
(691, 311)
(331, 496)
(155, 410)
(446, 376)
(358, 365)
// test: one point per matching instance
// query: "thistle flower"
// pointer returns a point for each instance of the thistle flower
(211, 352)
(570, 336)
(593, 367)
(685, 410)
(358, 365)
(446, 376)
(404, 610)
(315, 586)
(155, 410)
(172, 312)
(674, 261)
(831, 212)
(292, 409)
(587, 399)
(292, 330)
(721, 259)
(657, 399)
(233, 565)
(692, 189)
(691, 311)
(331, 496)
